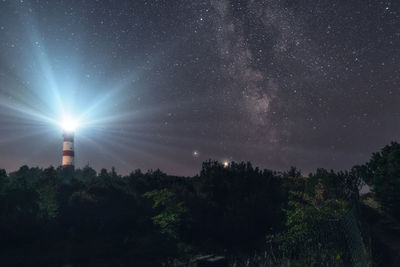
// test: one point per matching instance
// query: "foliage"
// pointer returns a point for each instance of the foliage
(340, 185)
(170, 217)
(47, 194)
(313, 231)
(305, 219)
(91, 217)
(233, 205)
(382, 173)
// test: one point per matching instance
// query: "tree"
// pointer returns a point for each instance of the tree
(236, 205)
(3, 178)
(382, 173)
(171, 211)
(312, 231)
(332, 185)
(47, 187)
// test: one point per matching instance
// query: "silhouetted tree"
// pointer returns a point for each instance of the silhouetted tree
(382, 173)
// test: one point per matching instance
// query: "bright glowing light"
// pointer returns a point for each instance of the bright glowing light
(225, 163)
(69, 125)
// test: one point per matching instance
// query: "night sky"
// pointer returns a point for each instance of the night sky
(170, 84)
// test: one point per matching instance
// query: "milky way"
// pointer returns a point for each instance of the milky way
(169, 84)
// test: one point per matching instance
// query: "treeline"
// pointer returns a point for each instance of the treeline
(56, 217)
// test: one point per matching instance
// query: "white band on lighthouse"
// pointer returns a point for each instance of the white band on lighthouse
(67, 161)
(68, 145)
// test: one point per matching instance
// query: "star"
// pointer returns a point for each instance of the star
(278, 83)
(225, 163)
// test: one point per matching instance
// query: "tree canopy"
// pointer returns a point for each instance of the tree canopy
(152, 218)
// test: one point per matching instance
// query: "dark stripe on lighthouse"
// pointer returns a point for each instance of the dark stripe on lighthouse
(68, 153)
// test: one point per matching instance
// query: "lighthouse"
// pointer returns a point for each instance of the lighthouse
(68, 150)
(68, 153)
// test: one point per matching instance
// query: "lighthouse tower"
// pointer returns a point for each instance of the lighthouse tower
(68, 150)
